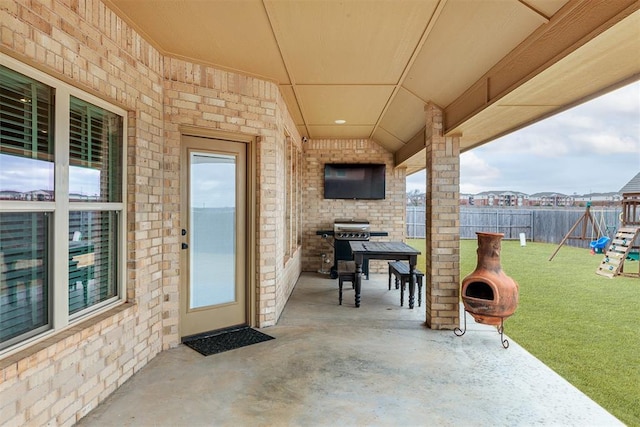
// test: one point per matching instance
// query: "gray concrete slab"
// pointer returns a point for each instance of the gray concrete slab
(377, 365)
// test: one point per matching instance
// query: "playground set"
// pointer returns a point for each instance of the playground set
(623, 247)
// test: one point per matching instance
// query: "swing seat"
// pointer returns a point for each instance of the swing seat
(599, 245)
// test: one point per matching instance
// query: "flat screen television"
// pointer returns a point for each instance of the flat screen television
(354, 181)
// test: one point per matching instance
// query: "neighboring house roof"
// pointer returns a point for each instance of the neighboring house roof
(548, 194)
(632, 186)
(542, 194)
(500, 192)
(609, 194)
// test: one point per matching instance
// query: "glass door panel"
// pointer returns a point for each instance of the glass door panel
(213, 230)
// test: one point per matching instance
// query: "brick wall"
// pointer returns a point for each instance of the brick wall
(384, 215)
(61, 378)
(208, 98)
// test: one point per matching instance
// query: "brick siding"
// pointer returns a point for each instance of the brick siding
(319, 214)
(60, 378)
(443, 224)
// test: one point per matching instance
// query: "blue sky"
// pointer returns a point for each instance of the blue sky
(594, 147)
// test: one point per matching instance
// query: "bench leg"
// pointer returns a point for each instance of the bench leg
(390, 276)
(403, 282)
(340, 292)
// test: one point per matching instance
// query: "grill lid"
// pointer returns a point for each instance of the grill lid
(354, 225)
(351, 229)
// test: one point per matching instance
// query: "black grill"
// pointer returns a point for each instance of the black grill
(345, 230)
(351, 229)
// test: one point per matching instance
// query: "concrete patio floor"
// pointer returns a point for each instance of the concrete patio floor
(333, 365)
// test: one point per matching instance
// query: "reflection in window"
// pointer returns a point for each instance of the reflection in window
(92, 258)
(26, 138)
(25, 179)
(95, 172)
(84, 184)
(24, 301)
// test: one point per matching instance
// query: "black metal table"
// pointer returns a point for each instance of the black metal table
(395, 251)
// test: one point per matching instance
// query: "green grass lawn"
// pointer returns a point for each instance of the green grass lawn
(583, 326)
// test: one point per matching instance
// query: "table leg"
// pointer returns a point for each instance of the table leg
(412, 284)
(358, 280)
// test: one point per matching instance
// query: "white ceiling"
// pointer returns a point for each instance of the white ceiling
(493, 65)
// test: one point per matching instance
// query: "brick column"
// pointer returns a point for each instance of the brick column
(443, 223)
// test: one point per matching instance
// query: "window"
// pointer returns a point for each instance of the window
(61, 204)
(292, 235)
(95, 176)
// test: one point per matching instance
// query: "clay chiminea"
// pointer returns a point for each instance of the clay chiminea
(488, 294)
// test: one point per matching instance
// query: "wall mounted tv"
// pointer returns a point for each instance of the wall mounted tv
(354, 181)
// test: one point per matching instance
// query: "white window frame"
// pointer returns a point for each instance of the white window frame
(59, 318)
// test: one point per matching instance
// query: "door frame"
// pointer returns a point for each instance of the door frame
(251, 211)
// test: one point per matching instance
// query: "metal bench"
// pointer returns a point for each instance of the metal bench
(400, 270)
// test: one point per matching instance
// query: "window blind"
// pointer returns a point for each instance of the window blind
(24, 302)
(95, 143)
(26, 125)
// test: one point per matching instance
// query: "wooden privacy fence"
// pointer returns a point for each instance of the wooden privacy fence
(538, 225)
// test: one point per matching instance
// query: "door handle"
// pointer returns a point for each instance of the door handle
(184, 233)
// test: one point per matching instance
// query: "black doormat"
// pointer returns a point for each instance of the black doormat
(224, 340)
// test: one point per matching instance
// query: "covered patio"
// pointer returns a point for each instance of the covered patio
(337, 365)
(114, 106)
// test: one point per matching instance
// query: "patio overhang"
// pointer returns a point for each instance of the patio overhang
(568, 62)
(494, 67)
